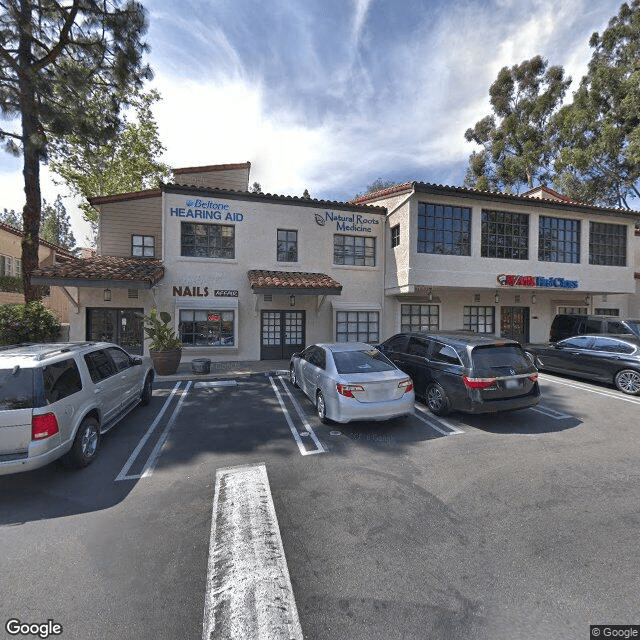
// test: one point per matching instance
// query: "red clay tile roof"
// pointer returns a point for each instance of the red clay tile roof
(293, 281)
(101, 271)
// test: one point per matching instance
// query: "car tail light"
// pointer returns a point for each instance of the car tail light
(533, 377)
(478, 383)
(347, 390)
(43, 426)
(405, 385)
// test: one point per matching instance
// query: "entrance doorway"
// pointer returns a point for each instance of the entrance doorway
(514, 323)
(121, 326)
(282, 334)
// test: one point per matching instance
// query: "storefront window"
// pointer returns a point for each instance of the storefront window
(207, 240)
(200, 328)
(607, 244)
(505, 235)
(354, 250)
(419, 317)
(559, 240)
(443, 229)
(357, 326)
(479, 319)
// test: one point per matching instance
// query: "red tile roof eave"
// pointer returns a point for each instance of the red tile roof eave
(263, 280)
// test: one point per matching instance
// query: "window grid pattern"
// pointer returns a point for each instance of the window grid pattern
(504, 235)
(479, 319)
(602, 311)
(199, 327)
(444, 229)
(287, 245)
(419, 317)
(143, 246)
(357, 326)
(583, 311)
(607, 244)
(207, 240)
(354, 250)
(558, 240)
(395, 235)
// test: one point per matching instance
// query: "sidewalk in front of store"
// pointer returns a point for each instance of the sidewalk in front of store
(227, 370)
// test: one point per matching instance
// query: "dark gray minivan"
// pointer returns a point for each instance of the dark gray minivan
(567, 325)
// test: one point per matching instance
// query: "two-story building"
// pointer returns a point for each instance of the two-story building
(11, 271)
(257, 276)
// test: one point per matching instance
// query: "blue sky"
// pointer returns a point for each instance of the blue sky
(329, 95)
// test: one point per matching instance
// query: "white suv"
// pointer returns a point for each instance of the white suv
(56, 400)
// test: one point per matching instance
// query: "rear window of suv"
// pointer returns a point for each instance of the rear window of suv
(494, 360)
(16, 389)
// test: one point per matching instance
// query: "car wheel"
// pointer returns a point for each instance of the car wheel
(147, 391)
(85, 445)
(628, 381)
(293, 377)
(436, 399)
(321, 408)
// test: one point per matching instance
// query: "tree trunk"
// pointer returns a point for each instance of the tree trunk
(32, 152)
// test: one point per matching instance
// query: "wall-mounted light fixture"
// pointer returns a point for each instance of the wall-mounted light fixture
(292, 300)
(430, 295)
(533, 298)
(496, 297)
(106, 294)
(587, 299)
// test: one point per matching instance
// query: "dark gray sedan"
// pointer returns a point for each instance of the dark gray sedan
(613, 359)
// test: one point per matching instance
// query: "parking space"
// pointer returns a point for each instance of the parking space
(462, 526)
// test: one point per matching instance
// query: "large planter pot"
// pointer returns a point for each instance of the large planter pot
(166, 362)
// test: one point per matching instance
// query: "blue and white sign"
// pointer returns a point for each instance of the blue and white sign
(197, 209)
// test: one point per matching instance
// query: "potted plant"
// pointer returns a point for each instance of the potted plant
(165, 349)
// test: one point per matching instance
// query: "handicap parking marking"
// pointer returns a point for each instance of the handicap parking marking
(436, 423)
(297, 435)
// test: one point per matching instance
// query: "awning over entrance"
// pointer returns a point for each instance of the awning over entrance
(293, 282)
(101, 271)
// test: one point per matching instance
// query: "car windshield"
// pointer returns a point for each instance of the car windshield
(16, 389)
(497, 359)
(361, 361)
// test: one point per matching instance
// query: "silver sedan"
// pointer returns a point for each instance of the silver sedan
(352, 381)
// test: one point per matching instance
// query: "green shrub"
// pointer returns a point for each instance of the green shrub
(31, 322)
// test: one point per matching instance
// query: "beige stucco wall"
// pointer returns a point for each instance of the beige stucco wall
(256, 224)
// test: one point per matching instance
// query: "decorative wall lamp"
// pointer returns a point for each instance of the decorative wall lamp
(107, 295)
(496, 297)
(533, 298)
(587, 299)
(430, 295)
(292, 300)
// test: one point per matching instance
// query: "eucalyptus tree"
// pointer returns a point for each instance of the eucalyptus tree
(52, 55)
(597, 136)
(515, 149)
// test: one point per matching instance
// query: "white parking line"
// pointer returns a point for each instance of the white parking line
(552, 413)
(248, 592)
(302, 415)
(430, 420)
(128, 464)
(586, 387)
(294, 431)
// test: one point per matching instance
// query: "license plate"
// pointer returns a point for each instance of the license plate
(511, 384)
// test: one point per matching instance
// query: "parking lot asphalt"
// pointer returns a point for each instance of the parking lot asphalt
(522, 525)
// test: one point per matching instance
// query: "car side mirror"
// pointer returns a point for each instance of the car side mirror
(136, 360)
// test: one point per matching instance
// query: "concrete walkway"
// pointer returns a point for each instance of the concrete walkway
(225, 370)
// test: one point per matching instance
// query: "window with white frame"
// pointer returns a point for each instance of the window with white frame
(6, 266)
(143, 246)
(479, 319)
(357, 326)
(602, 311)
(582, 311)
(419, 317)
